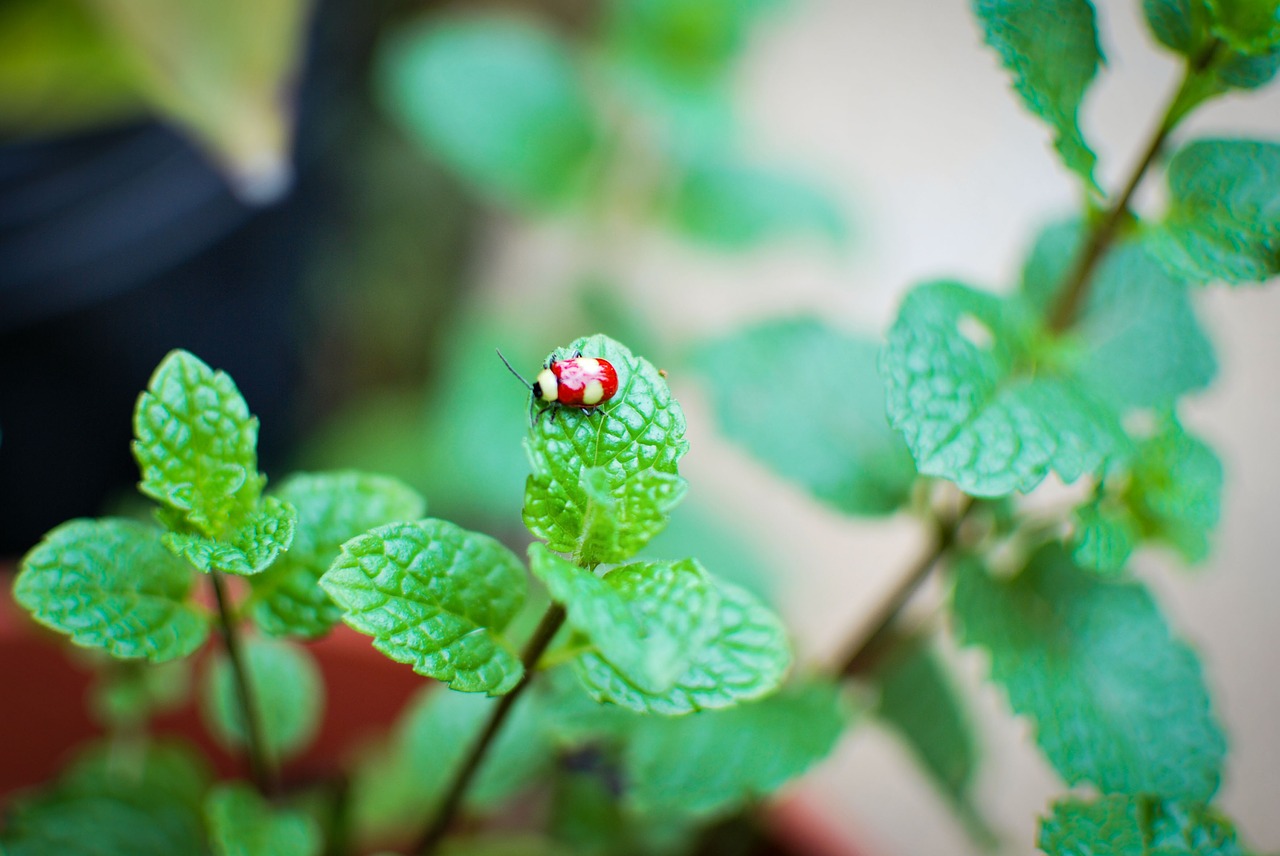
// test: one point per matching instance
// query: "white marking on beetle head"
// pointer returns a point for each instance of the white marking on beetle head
(547, 385)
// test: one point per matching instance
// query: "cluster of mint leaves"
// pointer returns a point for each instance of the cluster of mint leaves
(634, 124)
(995, 392)
(640, 637)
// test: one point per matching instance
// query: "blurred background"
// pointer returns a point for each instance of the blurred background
(348, 206)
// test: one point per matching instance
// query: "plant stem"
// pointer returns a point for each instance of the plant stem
(1075, 288)
(533, 651)
(260, 766)
(860, 652)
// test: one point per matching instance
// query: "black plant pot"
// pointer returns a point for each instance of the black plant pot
(116, 246)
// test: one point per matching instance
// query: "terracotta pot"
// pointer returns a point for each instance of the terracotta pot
(44, 720)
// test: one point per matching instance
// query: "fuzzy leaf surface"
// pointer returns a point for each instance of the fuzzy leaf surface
(645, 619)
(1116, 700)
(332, 509)
(1136, 342)
(712, 760)
(498, 101)
(436, 596)
(629, 448)
(262, 535)
(111, 584)
(1050, 47)
(1223, 220)
(287, 687)
(806, 399)
(964, 385)
(196, 444)
(738, 206)
(743, 655)
(1130, 825)
(242, 823)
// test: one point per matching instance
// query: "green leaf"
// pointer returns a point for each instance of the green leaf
(197, 445)
(242, 823)
(733, 206)
(1104, 537)
(646, 619)
(1180, 25)
(1223, 220)
(111, 584)
(144, 801)
(919, 702)
(251, 548)
(1136, 341)
(712, 760)
(223, 72)
(630, 445)
(740, 653)
(979, 404)
(1175, 490)
(411, 773)
(687, 44)
(619, 519)
(806, 399)
(435, 596)
(1250, 27)
(1116, 700)
(1170, 493)
(1051, 49)
(332, 508)
(499, 101)
(126, 694)
(287, 689)
(1131, 825)
(1187, 27)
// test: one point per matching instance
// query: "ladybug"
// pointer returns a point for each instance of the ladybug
(580, 382)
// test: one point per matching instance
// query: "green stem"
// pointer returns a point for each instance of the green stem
(448, 809)
(260, 767)
(861, 650)
(1075, 288)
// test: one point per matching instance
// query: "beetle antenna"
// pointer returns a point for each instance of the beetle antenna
(513, 371)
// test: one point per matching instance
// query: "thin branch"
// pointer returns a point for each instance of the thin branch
(1075, 288)
(260, 766)
(533, 651)
(860, 651)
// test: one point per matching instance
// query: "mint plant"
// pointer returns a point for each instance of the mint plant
(656, 703)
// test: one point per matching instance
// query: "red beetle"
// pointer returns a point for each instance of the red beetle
(581, 382)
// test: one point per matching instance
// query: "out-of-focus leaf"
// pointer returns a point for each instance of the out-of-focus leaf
(498, 100)
(1117, 700)
(806, 400)
(1223, 221)
(222, 70)
(1051, 49)
(735, 206)
(58, 70)
(286, 687)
